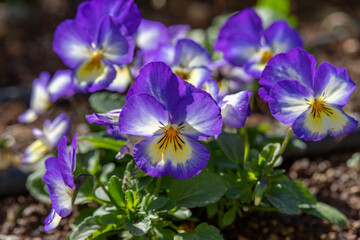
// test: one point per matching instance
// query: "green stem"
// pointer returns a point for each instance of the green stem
(158, 185)
(99, 183)
(283, 147)
(247, 144)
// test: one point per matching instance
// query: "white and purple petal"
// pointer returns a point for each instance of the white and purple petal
(61, 85)
(35, 151)
(235, 108)
(281, 37)
(333, 84)
(189, 54)
(297, 64)
(121, 81)
(184, 162)
(66, 162)
(113, 45)
(52, 220)
(72, 43)
(142, 115)
(151, 34)
(60, 193)
(198, 115)
(211, 87)
(315, 128)
(289, 99)
(56, 129)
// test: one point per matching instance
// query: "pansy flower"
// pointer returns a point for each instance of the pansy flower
(60, 181)
(245, 43)
(235, 108)
(172, 115)
(109, 119)
(92, 57)
(309, 99)
(47, 138)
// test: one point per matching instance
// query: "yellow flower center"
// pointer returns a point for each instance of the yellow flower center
(182, 74)
(94, 63)
(265, 56)
(318, 107)
(172, 138)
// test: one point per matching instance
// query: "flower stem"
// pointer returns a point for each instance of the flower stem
(247, 144)
(261, 208)
(283, 146)
(98, 182)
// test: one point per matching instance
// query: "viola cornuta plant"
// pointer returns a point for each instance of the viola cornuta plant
(171, 137)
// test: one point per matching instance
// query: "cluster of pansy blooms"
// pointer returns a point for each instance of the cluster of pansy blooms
(179, 95)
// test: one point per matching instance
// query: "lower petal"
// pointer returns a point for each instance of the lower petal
(60, 194)
(35, 151)
(122, 80)
(184, 162)
(93, 76)
(312, 128)
(52, 220)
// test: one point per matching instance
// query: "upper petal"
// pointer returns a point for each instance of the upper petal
(151, 34)
(189, 54)
(57, 129)
(281, 37)
(115, 47)
(142, 115)
(297, 64)
(157, 80)
(198, 115)
(333, 84)
(61, 85)
(66, 163)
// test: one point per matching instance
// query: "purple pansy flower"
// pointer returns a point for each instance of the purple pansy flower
(171, 114)
(47, 138)
(244, 42)
(235, 108)
(109, 119)
(46, 90)
(93, 56)
(309, 99)
(59, 179)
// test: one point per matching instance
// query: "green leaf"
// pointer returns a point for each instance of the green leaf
(37, 187)
(105, 143)
(268, 153)
(232, 145)
(181, 214)
(201, 232)
(240, 190)
(211, 210)
(105, 101)
(198, 191)
(303, 193)
(157, 203)
(86, 228)
(324, 211)
(116, 191)
(282, 196)
(280, 6)
(100, 194)
(93, 160)
(139, 227)
(229, 217)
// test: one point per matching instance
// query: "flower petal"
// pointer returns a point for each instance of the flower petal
(333, 84)
(28, 116)
(59, 193)
(297, 64)
(151, 34)
(114, 47)
(35, 151)
(281, 37)
(180, 163)
(92, 77)
(157, 80)
(315, 128)
(142, 115)
(211, 87)
(57, 129)
(122, 80)
(52, 220)
(189, 54)
(124, 12)
(198, 115)
(235, 108)
(289, 99)
(51, 163)
(66, 162)
(61, 85)
(72, 43)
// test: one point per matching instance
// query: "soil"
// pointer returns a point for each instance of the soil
(25, 43)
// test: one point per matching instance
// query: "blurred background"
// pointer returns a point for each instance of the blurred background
(330, 29)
